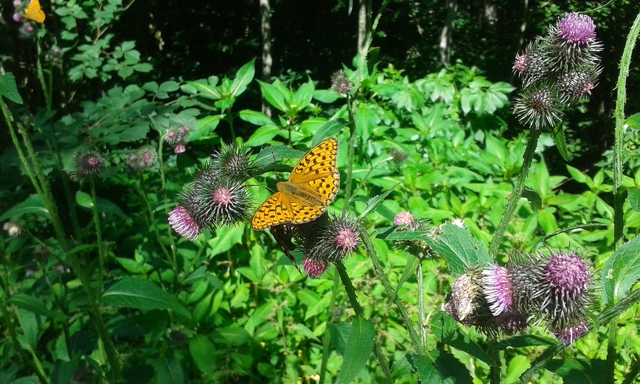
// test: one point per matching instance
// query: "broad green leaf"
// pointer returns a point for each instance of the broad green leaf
(8, 88)
(262, 135)
(459, 248)
(579, 371)
(516, 367)
(274, 96)
(303, 95)
(438, 367)
(359, 347)
(204, 127)
(255, 117)
(231, 335)
(243, 78)
(34, 305)
(170, 371)
(325, 95)
(169, 86)
(134, 292)
(448, 331)
(203, 352)
(634, 198)
(275, 153)
(206, 90)
(409, 271)
(33, 204)
(373, 202)
(104, 205)
(330, 129)
(633, 121)
(339, 333)
(226, 238)
(621, 271)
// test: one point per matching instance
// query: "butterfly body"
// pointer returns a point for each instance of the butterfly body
(34, 12)
(312, 186)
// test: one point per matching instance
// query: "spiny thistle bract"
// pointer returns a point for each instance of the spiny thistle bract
(88, 164)
(216, 197)
(340, 83)
(144, 158)
(177, 138)
(557, 71)
(233, 161)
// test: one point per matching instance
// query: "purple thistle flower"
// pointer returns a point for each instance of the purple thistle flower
(17, 3)
(177, 138)
(340, 237)
(576, 29)
(17, 17)
(182, 222)
(568, 274)
(467, 303)
(144, 158)
(498, 289)
(314, 267)
(88, 164)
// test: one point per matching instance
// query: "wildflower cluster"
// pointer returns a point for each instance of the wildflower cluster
(323, 241)
(557, 71)
(217, 196)
(554, 289)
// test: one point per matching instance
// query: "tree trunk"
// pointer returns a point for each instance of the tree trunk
(444, 47)
(267, 59)
(362, 25)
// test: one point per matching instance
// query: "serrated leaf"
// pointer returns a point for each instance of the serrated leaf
(621, 271)
(9, 89)
(634, 198)
(633, 121)
(339, 333)
(255, 117)
(134, 292)
(439, 367)
(170, 371)
(243, 77)
(359, 347)
(579, 371)
(331, 128)
(461, 250)
(408, 272)
(561, 144)
(273, 95)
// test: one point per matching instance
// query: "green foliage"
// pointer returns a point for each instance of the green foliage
(96, 265)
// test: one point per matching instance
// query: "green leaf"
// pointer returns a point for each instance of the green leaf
(208, 91)
(561, 144)
(35, 305)
(226, 238)
(303, 95)
(578, 371)
(203, 352)
(262, 135)
(243, 77)
(325, 95)
(373, 202)
(633, 121)
(359, 347)
(273, 95)
(134, 292)
(634, 198)
(169, 86)
(170, 371)
(461, 250)
(339, 333)
(331, 128)
(448, 331)
(232, 335)
(255, 117)
(33, 204)
(272, 154)
(8, 88)
(438, 367)
(621, 271)
(104, 205)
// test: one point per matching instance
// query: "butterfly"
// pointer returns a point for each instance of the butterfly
(34, 12)
(312, 186)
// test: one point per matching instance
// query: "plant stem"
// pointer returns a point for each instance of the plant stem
(618, 224)
(423, 331)
(350, 157)
(326, 338)
(353, 299)
(96, 222)
(515, 195)
(415, 338)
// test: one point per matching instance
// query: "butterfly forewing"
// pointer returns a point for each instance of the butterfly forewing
(275, 210)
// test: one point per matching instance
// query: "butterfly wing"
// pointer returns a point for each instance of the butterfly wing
(275, 210)
(317, 174)
(34, 12)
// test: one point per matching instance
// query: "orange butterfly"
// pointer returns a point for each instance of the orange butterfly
(34, 12)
